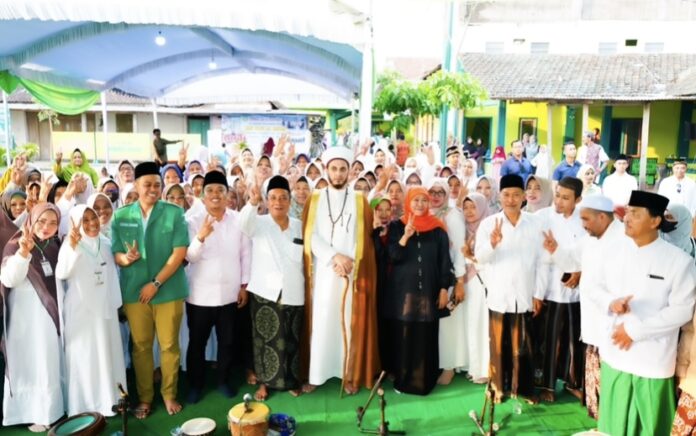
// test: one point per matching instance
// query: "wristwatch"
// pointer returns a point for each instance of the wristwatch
(157, 283)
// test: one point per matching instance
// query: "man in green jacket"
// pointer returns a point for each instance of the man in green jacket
(149, 241)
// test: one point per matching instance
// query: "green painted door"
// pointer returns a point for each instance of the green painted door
(199, 125)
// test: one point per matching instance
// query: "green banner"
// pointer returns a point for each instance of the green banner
(67, 101)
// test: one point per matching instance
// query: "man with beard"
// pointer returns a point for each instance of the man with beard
(340, 278)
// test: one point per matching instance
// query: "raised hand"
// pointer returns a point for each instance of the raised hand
(497, 233)
(468, 249)
(255, 195)
(132, 254)
(59, 157)
(410, 229)
(550, 243)
(621, 306)
(18, 175)
(26, 241)
(74, 236)
(206, 229)
(45, 190)
(183, 152)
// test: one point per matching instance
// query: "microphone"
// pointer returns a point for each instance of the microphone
(247, 399)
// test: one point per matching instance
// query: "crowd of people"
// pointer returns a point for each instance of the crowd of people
(305, 268)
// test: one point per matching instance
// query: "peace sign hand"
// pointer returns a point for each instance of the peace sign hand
(255, 195)
(132, 254)
(59, 157)
(74, 236)
(497, 233)
(206, 229)
(550, 243)
(468, 249)
(410, 229)
(26, 241)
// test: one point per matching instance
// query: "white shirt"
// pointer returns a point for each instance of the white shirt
(567, 232)
(219, 266)
(276, 257)
(619, 187)
(512, 275)
(588, 256)
(679, 191)
(662, 280)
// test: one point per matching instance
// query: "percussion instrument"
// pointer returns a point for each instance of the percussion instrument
(198, 427)
(251, 420)
(84, 424)
(281, 424)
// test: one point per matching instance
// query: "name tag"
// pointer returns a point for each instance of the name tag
(132, 225)
(47, 270)
(653, 276)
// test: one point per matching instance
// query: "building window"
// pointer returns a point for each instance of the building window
(124, 123)
(495, 47)
(539, 47)
(607, 48)
(68, 123)
(631, 43)
(654, 47)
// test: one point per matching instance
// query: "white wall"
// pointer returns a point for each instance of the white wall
(578, 36)
(18, 120)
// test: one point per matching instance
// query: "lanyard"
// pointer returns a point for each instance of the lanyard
(41, 250)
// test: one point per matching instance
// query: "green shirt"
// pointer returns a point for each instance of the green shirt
(166, 230)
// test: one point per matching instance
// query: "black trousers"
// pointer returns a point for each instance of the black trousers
(201, 320)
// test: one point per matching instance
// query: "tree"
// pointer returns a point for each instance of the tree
(402, 101)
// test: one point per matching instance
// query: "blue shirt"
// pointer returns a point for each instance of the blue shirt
(522, 167)
(565, 170)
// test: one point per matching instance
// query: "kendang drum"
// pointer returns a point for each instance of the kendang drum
(84, 424)
(249, 422)
(198, 427)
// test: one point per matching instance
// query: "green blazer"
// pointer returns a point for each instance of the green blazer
(166, 230)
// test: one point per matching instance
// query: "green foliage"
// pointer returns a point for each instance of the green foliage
(49, 115)
(30, 149)
(403, 101)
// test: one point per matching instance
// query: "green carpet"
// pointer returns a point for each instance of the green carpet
(444, 412)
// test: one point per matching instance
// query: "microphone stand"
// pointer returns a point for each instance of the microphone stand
(488, 403)
(383, 428)
(122, 408)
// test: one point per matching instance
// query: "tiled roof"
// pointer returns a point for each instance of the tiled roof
(617, 77)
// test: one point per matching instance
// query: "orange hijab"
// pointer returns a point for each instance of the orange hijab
(424, 223)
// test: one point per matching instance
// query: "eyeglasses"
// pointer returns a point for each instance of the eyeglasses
(437, 193)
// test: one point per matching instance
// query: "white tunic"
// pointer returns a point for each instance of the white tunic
(93, 350)
(453, 347)
(662, 280)
(567, 232)
(589, 256)
(619, 188)
(327, 352)
(679, 191)
(512, 271)
(33, 393)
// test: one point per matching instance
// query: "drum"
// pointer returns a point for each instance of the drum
(251, 423)
(198, 427)
(84, 424)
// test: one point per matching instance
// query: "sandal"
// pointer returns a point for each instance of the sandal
(142, 411)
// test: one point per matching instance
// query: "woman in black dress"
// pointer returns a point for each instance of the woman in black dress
(416, 293)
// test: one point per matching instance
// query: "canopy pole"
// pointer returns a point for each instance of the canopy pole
(155, 122)
(365, 127)
(105, 129)
(8, 136)
(549, 128)
(645, 129)
(585, 118)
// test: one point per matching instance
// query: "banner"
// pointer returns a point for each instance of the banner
(254, 130)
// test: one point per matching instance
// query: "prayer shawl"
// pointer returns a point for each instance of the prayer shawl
(363, 362)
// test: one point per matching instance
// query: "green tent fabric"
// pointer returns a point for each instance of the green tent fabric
(67, 101)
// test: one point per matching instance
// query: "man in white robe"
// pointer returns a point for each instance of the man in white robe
(338, 250)
(619, 185)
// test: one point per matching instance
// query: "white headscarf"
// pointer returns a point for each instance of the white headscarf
(681, 235)
(106, 228)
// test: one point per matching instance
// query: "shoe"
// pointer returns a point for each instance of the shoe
(194, 396)
(227, 390)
